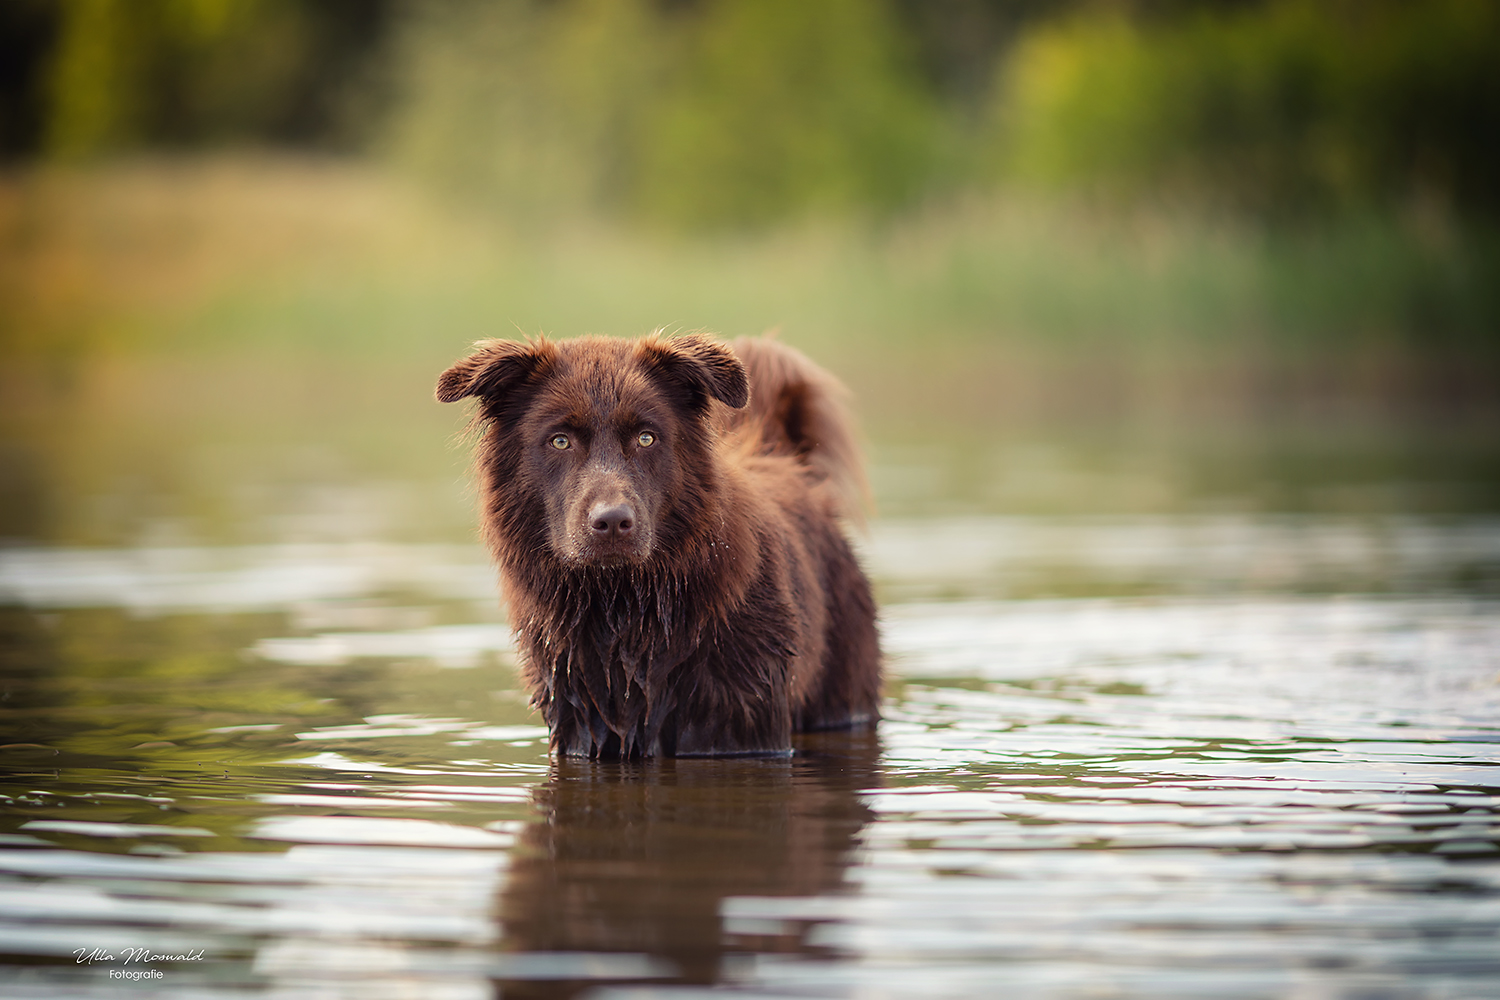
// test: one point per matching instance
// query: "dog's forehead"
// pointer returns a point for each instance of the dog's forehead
(600, 378)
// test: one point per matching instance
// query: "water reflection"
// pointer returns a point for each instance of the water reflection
(642, 858)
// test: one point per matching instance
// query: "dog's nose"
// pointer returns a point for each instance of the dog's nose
(612, 519)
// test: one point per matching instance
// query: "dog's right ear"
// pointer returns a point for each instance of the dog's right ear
(495, 368)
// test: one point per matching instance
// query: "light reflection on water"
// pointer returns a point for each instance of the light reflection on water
(311, 767)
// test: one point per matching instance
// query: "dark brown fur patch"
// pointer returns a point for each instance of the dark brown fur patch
(667, 516)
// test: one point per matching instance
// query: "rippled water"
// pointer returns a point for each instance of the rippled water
(308, 772)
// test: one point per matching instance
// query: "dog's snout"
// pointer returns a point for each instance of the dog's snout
(612, 519)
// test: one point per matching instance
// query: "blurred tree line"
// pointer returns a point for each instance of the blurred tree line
(83, 79)
(719, 113)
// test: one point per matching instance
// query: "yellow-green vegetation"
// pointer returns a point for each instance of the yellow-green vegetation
(740, 113)
(126, 74)
(1283, 108)
(723, 113)
(225, 342)
(1192, 226)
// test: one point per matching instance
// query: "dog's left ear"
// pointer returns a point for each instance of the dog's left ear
(699, 368)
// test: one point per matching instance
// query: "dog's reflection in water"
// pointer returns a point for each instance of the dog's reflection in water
(622, 874)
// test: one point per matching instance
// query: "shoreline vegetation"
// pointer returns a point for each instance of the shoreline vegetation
(190, 338)
(201, 256)
(1247, 255)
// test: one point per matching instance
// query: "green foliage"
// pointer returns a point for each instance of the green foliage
(731, 112)
(722, 114)
(139, 73)
(735, 112)
(784, 106)
(1280, 108)
(528, 107)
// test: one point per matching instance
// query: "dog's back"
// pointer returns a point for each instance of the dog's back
(797, 409)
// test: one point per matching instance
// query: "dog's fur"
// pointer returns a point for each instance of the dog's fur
(691, 593)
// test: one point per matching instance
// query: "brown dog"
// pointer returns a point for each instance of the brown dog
(667, 518)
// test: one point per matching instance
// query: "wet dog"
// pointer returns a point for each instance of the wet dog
(668, 518)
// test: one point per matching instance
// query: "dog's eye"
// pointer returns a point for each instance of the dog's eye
(560, 441)
(646, 439)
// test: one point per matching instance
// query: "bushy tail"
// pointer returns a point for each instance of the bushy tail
(797, 408)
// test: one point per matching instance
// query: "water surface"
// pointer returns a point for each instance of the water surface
(307, 771)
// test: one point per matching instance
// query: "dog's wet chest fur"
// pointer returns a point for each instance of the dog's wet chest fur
(621, 617)
(637, 664)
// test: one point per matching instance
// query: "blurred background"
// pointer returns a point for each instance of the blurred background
(1159, 257)
(1180, 317)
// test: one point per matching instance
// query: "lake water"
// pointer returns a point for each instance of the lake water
(307, 771)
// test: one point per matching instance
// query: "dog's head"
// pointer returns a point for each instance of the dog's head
(600, 448)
